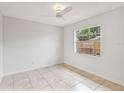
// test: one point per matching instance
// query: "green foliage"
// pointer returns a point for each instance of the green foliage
(89, 33)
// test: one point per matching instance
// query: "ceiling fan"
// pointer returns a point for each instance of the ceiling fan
(60, 12)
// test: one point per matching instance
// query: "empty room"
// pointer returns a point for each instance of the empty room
(61, 46)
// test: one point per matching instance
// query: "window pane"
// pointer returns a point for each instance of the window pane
(88, 41)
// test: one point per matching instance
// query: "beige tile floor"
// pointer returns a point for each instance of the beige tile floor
(54, 78)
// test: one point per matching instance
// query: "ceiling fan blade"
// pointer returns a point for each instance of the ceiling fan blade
(66, 10)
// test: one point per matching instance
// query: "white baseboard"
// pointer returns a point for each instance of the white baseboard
(29, 69)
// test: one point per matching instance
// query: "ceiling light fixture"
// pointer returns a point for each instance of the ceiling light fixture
(59, 7)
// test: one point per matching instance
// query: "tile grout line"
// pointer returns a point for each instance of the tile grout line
(65, 82)
(45, 80)
(100, 85)
(97, 87)
(13, 83)
(29, 80)
(56, 81)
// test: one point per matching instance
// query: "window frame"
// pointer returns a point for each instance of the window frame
(75, 38)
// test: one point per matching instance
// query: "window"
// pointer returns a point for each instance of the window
(87, 40)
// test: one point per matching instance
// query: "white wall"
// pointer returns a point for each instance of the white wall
(29, 45)
(1, 46)
(111, 63)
